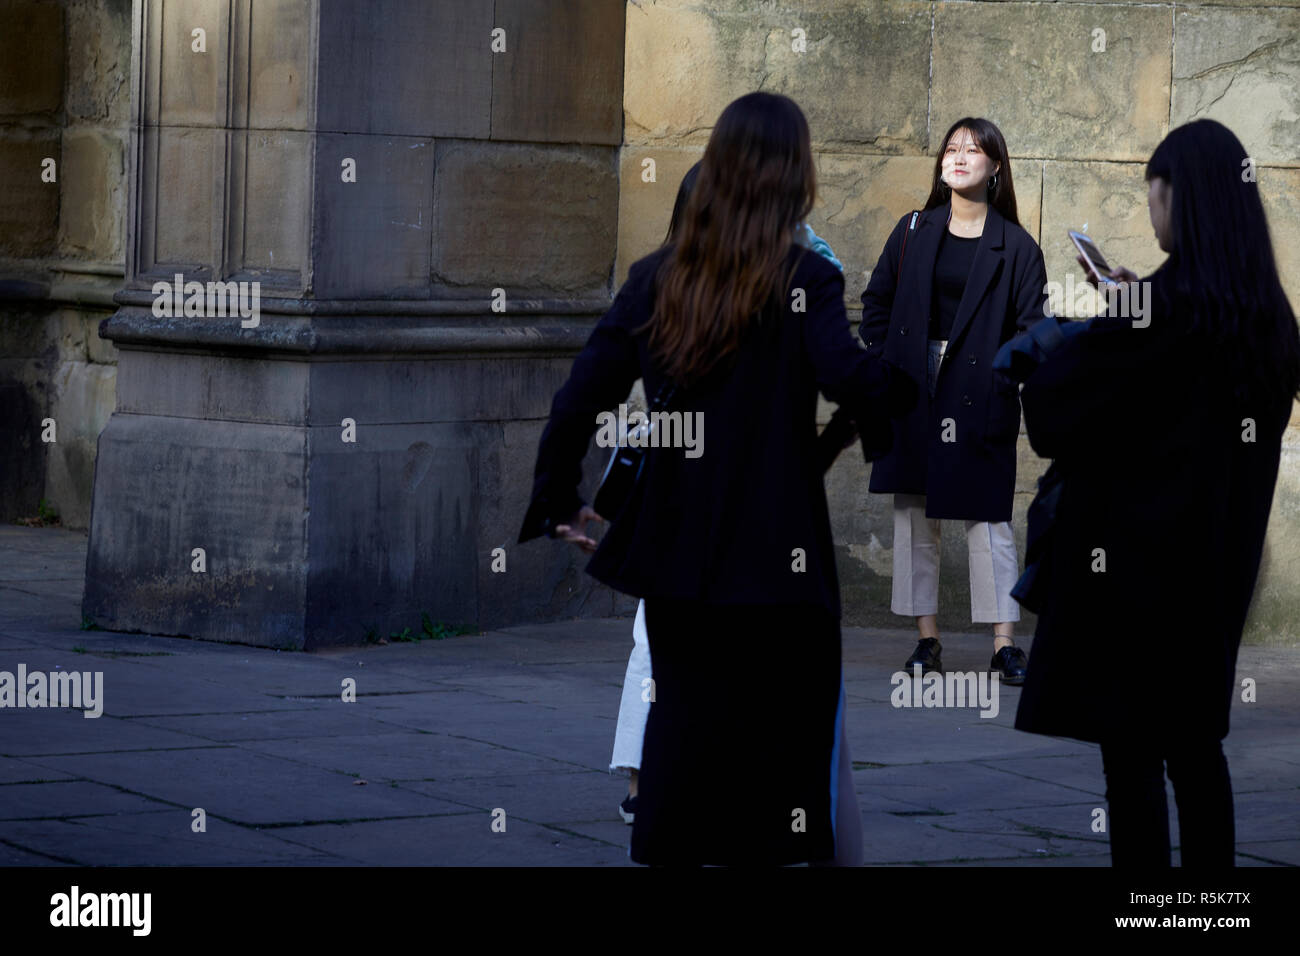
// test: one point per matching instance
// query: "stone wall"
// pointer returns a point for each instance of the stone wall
(880, 82)
(389, 173)
(64, 96)
(520, 158)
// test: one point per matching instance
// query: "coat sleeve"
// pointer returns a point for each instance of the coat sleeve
(878, 297)
(602, 376)
(1083, 397)
(1031, 293)
(855, 379)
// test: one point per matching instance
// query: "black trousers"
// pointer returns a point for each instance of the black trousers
(1139, 814)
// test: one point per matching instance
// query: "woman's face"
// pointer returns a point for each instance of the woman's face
(965, 167)
(1159, 193)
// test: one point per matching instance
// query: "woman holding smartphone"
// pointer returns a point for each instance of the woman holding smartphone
(1167, 433)
(730, 549)
(953, 283)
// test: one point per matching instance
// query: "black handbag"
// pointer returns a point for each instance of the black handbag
(627, 461)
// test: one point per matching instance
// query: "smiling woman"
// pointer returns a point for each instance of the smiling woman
(953, 283)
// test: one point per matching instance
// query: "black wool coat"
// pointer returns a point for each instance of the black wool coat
(1158, 534)
(722, 527)
(972, 477)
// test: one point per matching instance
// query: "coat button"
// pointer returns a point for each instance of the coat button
(965, 399)
(902, 331)
(972, 359)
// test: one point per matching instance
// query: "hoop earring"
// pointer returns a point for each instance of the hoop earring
(993, 182)
(943, 188)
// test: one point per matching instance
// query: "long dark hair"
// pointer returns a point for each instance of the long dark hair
(755, 184)
(679, 207)
(989, 139)
(1221, 276)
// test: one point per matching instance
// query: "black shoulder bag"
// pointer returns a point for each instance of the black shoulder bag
(627, 461)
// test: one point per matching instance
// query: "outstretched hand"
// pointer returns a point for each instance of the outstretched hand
(574, 530)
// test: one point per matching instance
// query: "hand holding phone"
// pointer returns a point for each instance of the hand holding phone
(1093, 262)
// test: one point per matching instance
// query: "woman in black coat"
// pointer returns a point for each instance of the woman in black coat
(953, 283)
(1166, 426)
(731, 549)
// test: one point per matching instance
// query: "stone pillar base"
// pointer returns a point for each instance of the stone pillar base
(234, 441)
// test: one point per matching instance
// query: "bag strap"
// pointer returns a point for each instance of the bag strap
(911, 228)
(665, 395)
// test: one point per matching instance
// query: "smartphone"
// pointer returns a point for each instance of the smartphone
(1092, 255)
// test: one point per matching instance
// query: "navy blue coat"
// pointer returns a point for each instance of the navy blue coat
(722, 527)
(972, 477)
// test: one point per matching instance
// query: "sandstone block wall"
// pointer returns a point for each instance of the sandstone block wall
(64, 96)
(1083, 93)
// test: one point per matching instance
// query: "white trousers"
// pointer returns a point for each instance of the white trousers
(994, 565)
(632, 712)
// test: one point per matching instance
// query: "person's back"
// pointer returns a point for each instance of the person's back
(728, 525)
(1166, 430)
(726, 536)
(1163, 510)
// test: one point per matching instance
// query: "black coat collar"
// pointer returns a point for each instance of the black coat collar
(988, 258)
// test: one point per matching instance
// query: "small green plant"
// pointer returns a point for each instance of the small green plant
(403, 635)
(45, 515)
(372, 635)
(440, 630)
(87, 624)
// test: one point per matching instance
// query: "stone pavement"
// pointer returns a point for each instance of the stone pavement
(444, 732)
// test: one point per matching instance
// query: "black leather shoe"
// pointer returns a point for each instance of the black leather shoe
(927, 655)
(1010, 662)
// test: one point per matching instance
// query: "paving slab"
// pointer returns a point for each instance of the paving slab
(239, 785)
(67, 798)
(20, 771)
(890, 838)
(153, 839)
(57, 730)
(966, 786)
(1275, 852)
(528, 728)
(16, 856)
(522, 720)
(555, 798)
(461, 840)
(1079, 771)
(327, 720)
(406, 756)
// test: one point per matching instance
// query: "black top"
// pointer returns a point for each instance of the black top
(722, 527)
(974, 480)
(951, 269)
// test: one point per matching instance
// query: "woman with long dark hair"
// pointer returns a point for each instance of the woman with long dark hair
(1166, 429)
(635, 704)
(954, 282)
(731, 549)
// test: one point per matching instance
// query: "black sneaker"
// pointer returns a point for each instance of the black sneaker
(1010, 662)
(927, 655)
(627, 810)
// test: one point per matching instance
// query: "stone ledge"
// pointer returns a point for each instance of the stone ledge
(134, 327)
